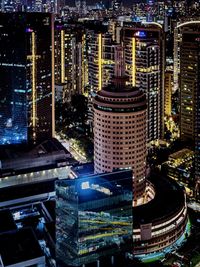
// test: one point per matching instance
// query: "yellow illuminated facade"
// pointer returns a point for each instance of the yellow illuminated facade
(33, 58)
(53, 77)
(70, 61)
(62, 56)
(40, 79)
(99, 60)
(168, 92)
(133, 62)
(144, 62)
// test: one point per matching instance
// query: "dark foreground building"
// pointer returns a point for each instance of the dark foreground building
(26, 84)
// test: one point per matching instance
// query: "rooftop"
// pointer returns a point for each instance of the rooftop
(20, 151)
(19, 246)
(168, 200)
(181, 154)
(7, 222)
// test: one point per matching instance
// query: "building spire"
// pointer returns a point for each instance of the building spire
(119, 73)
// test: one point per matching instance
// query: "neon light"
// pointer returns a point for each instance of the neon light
(188, 23)
(62, 56)
(99, 60)
(153, 23)
(34, 96)
(53, 78)
(150, 257)
(29, 30)
(140, 34)
(133, 62)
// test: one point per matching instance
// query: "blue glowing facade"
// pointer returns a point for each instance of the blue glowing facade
(26, 82)
(94, 217)
(13, 92)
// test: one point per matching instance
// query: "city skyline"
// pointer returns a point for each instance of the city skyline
(100, 133)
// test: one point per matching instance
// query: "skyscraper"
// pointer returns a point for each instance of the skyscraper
(190, 88)
(101, 62)
(120, 130)
(100, 58)
(70, 59)
(144, 59)
(13, 91)
(189, 80)
(27, 77)
(120, 113)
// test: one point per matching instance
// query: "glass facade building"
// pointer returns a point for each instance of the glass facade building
(13, 91)
(26, 84)
(94, 217)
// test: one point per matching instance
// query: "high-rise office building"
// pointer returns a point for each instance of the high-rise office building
(27, 77)
(101, 62)
(120, 113)
(100, 58)
(177, 44)
(13, 103)
(189, 60)
(120, 130)
(189, 80)
(70, 59)
(144, 59)
(94, 217)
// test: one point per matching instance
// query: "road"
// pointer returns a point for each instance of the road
(77, 155)
(68, 145)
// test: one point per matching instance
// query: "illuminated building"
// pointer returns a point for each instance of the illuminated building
(13, 108)
(100, 59)
(144, 59)
(177, 44)
(189, 80)
(150, 10)
(161, 9)
(180, 166)
(161, 225)
(94, 217)
(180, 7)
(139, 11)
(159, 222)
(120, 130)
(101, 62)
(38, 5)
(27, 83)
(116, 4)
(70, 60)
(168, 92)
(120, 143)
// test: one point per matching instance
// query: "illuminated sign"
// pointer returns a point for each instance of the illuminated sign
(29, 30)
(140, 34)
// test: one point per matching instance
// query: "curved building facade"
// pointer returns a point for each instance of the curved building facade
(120, 132)
(160, 225)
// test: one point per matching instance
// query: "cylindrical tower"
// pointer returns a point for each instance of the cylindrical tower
(120, 132)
